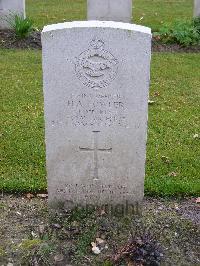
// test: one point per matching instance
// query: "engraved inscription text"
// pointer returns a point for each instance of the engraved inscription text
(97, 109)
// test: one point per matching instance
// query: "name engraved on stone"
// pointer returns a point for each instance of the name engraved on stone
(97, 109)
(95, 150)
(96, 67)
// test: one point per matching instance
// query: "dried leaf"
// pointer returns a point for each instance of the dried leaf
(99, 241)
(150, 102)
(29, 196)
(102, 212)
(173, 174)
(131, 263)
(58, 258)
(93, 244)
(157, 93)
(165, 159)
(33, 234)
(96, 250)
(57, 226)
(41, 229)
(198, 200)
(196, 136)
(176, 206)
(44, 196)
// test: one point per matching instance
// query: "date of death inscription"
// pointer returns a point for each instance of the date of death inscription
(97, 109)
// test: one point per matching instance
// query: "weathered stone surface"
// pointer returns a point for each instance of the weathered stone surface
(196, 8)
(96, 81)
(8, 8)
(114, 10)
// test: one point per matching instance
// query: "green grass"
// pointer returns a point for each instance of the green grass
(157, 12)
(55, 11)
(150, 13)
(173, 121)
(22, 120)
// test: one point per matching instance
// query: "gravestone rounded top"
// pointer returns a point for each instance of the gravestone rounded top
(97, 24)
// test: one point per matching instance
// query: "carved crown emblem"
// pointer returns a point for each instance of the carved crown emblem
(96, 67)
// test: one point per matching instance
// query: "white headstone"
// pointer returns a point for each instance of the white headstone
(196, 8)
(9, 8)
(96, 82)
(114, 10)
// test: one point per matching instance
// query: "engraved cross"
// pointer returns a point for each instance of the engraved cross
(96, 149)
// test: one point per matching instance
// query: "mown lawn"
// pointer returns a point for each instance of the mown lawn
(150, 13)
(173, 156)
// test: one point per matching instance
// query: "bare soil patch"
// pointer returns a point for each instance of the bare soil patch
(8, 40)
(174, 48)
(167, 233)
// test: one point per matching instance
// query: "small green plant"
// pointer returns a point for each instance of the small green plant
(2, 252)
(84, 241)
(196, 22)
(181, 32)
(22, 26)
(36, 250)
(44, 253)
(107, 263)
